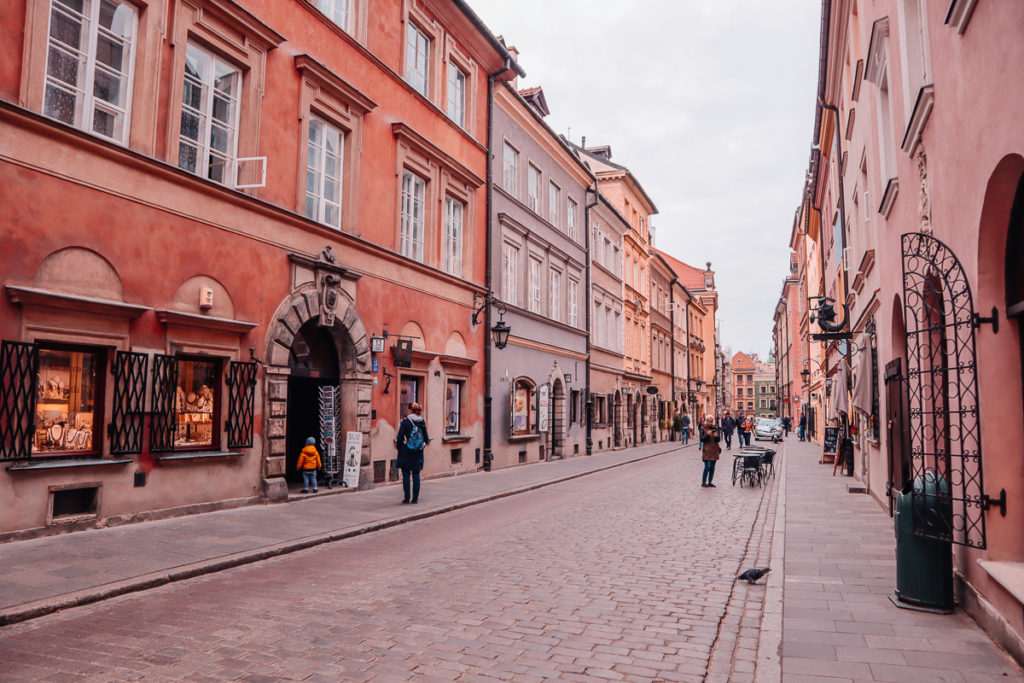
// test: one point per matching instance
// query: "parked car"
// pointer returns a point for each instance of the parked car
(768, 429)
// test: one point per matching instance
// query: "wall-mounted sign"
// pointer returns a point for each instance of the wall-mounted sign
(543, 407)
(375, 363)
(652, 390)
(402, 351)
(376, 344)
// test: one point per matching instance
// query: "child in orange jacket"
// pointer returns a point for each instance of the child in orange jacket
(309, 463)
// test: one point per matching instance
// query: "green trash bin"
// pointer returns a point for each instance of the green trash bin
(924, 566)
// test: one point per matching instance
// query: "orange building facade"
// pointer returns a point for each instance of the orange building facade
(228, 226)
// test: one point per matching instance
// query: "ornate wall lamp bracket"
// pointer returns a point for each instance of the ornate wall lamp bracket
(992, 320)
(988, 501)
(501, 330)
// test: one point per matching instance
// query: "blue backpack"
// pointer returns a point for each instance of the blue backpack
(414, 440)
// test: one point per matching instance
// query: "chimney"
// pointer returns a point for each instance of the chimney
(512, 50)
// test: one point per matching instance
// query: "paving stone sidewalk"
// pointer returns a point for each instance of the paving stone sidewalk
(43, 575)
(839, 568)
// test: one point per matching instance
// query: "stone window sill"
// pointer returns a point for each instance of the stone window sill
(198, 455)
(524, 437)
(67, 464)
(1009, 575)
(455, 438)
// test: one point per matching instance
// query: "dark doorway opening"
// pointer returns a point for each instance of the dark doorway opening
(314, 363)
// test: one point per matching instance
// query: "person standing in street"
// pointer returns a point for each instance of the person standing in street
(746, 429)
(308, 464)
(411, 440)
(802, 428)
(727, 427)
(684, 420)
(709, 451)
(786, 423)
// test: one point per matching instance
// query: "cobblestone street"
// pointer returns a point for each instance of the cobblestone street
(622, 575)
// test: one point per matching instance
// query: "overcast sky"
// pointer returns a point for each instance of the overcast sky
(710, 103)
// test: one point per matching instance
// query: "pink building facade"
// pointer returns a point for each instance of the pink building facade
(917, 183)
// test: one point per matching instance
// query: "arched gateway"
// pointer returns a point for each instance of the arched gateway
(316, 339)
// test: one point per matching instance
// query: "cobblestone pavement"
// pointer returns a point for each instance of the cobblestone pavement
(625, 574)
(838, 625)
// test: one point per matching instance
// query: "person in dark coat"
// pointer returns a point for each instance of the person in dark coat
(801, 432)
(709, 451)
(786, 424)
(411, 440)
(728, 426)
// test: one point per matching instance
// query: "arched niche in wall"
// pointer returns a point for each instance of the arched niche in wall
(79, 271)
(191, 296)
(413, 330)
(456, 345)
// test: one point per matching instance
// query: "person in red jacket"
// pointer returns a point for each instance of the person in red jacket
(309, 463)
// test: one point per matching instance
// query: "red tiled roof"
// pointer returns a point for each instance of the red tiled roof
(692, 278)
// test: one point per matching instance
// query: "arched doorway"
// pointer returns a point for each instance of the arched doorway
(313, 362)
(617, 419)
(302, 355)
(557, 434)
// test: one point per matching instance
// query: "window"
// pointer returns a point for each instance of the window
(573, 302)
(523, 415)
(68, 401)
(336, 10)
(208, 135)
(196, 403)
(510, 275)
(761, 403)
(453, 213)
(323, 173)
(554, 295)
(456, 95)
(533, 189)
(750, 405)
(417, 59)
(453, 407)
(90, 64)
(554, 197)
(534, 283)
(411, 393)
(511, 170)
(570, 219)
(413, 191)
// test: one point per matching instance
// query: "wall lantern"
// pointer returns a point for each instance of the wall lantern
(501, 330)
(567, 377)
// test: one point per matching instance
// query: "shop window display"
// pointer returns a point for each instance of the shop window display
(523, 417)
(66, 403)
(195, 402)
(453, 407)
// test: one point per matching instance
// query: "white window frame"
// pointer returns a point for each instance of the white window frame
(417, 59)
(316, 162)
(555, 295)
(338, 11)
(533, 176)
(457, 94)
(510, 275)
(454, 222)
(414, 192)
(204, 149)
(510, 170)
(533, 281)
(86, 102)
(574, 293)
(570, 218)
(554, 199)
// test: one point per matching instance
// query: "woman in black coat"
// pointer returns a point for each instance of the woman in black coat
(412, 438)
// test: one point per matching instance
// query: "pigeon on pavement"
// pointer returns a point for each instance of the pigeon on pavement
(752, 575)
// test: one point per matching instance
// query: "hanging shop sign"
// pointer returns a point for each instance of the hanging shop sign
(543, 407)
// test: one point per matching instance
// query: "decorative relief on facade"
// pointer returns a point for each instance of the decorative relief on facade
(924, 207)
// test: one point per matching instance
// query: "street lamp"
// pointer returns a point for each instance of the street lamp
(501, 330)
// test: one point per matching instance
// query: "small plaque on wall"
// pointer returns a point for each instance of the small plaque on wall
(376, 344)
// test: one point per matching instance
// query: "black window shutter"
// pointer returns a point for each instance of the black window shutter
(19, 365)
(164, 421)
(241, 401)
(125, 428)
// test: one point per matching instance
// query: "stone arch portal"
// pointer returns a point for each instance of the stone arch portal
(309, 307)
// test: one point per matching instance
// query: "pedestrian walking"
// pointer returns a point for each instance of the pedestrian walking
(411, 440)
(727, 427)
(746, 429)
(710, 450)
(684, 421)
(309, 463)
(802, 428)
(786, 424)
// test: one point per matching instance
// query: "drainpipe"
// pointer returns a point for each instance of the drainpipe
(688, 369)
(587, 308)
(488, 454)
(672, 351)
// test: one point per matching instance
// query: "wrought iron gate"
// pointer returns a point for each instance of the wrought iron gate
(942, 394)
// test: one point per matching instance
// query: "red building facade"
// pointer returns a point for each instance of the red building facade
(216, 209)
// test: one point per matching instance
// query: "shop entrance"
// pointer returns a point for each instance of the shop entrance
(314, 363)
